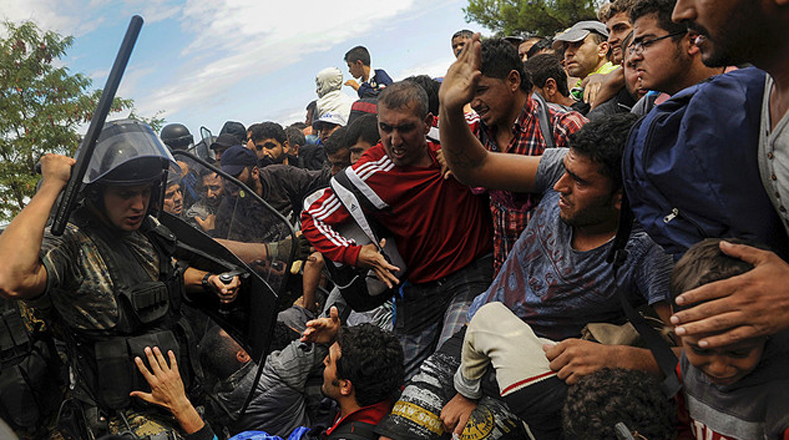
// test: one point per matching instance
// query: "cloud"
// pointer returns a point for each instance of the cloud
(250, 38)
(67, 17)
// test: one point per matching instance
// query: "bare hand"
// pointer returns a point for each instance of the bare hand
(352, 83)
(442, 161)
(56, 168)
(456, 413)
(460, 82)
(208, 224)
(167, 388)
(370, 258)
(574, 358)
(753, 304)
(323, 330)
(613, 83)
(227, 293)
(591, 85)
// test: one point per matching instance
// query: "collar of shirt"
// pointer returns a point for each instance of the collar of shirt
(372, 414)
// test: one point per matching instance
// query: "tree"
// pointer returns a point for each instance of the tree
(534, 17)
(41, 108)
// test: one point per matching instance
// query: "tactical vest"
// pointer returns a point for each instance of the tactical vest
(149, 315)
(30, 371)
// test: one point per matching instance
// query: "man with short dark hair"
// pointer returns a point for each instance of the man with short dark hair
(616, 16)
(337, 152)
(440, 226)
(663, 53)
(268, 141)
(549, 79)
(510, 122)
(361, 135)
(203, 213)
(372, 80)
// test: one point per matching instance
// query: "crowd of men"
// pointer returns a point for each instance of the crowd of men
(574, 236)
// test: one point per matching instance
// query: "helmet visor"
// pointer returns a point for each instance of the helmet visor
(127, 145)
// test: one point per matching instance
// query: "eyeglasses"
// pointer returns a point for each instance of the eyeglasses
(637, 47)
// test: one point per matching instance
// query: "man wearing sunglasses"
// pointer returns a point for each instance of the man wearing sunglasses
(663, 53)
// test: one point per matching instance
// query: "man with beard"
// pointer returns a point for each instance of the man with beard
(755, 303)
(203, 213)
(269, 143)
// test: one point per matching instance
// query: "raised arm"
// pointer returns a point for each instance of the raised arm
(468, 159)
(22, 275)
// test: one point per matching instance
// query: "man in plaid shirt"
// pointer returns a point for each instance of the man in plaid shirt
(509, 121)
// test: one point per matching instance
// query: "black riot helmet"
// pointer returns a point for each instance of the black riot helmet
(176, 136)
(127, 153)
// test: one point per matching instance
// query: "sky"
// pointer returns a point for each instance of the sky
(203, 62)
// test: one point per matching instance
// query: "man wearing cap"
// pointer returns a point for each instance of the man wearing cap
(109, 284)
(222, 143)
(585, 47)
(284, 187)
(328, 123)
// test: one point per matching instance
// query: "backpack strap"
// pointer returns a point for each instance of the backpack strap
(665, 357)
(545, 120)
(349, 197)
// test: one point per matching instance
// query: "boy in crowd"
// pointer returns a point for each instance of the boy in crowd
(737, 390)
(372, 80)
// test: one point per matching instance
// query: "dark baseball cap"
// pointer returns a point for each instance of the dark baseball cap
(236, 158)
(224, 141)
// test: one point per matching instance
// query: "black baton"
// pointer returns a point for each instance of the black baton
(96, 123)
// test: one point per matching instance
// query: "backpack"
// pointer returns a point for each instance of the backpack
(360, 288)
(690, 167)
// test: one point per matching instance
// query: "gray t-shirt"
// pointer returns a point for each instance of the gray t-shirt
(556, 289)
(774, 157)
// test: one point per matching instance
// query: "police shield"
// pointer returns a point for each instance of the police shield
(231, 231)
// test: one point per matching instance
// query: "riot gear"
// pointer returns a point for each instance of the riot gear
(176, 136)
(127, 153)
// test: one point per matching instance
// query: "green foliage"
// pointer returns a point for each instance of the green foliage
(540, 17)
(41, 107)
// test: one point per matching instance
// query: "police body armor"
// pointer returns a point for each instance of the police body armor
(149, 315)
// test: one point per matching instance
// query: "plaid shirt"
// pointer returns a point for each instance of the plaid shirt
(512, 211)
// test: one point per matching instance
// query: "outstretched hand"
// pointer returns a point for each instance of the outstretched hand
(167, 389)
(753, 304)
(370, 258)
(323, 330)
(462, 78)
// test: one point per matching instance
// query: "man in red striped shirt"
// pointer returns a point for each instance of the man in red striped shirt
(442, 229)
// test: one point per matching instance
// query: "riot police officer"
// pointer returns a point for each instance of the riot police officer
(109, 285)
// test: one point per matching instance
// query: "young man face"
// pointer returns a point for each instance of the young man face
(618, 27)
(662, 64)
(173, 199)
(403, 134)
(125, 206)
(212, 185)
(730, 31)
(358, 149)
(494, 98)
(586, 196)
(356, 68)
(325, 130)
(339, 160)
(332, 384)
(725, 365)
(583, 57)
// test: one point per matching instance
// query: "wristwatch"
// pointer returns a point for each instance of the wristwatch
(206, 285)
